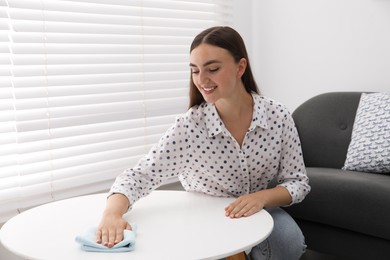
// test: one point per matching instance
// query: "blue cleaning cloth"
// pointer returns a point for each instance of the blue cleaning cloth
(88, 241)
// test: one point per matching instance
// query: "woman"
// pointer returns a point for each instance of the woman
(231, 142)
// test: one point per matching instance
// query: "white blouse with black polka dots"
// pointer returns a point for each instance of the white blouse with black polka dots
(206, 158)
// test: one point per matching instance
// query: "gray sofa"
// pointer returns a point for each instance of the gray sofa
(346, 213)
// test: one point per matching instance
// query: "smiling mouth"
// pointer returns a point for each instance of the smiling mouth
(209, 89)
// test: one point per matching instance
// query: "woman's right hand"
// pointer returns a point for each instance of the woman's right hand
(110, 230)
(111, 227)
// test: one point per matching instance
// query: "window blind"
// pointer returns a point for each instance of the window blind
(87, 87)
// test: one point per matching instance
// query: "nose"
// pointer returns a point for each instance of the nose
(203, 78)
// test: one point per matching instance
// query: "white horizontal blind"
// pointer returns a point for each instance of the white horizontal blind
(86, 88)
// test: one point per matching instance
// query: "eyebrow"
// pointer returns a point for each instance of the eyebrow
(206, 63)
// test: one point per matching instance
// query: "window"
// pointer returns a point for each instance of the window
(87, 87)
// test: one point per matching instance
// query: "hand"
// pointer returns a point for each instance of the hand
(245, 206)
(110, 230)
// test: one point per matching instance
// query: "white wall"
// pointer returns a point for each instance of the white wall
(243, 22)
(305, 47)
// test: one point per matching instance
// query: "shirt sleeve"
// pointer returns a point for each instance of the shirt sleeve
(165, 159)
(292, 173)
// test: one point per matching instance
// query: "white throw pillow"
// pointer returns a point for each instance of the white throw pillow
(369, 150)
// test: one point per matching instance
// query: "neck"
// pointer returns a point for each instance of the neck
(236, 108)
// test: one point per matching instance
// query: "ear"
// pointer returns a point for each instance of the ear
(241, 67)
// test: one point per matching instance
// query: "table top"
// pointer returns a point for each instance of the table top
(171, 225)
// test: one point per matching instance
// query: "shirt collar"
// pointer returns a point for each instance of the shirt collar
(214, 123)
(259, 117)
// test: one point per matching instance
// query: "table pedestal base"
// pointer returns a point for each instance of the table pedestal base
(239, 256)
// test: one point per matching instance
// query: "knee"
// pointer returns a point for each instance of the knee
(286, 236)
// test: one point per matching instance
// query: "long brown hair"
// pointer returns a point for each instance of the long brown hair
(227, 38)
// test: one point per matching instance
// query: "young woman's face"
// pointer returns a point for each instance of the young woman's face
(215, 72)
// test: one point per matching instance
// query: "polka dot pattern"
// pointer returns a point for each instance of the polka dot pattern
(206, 158)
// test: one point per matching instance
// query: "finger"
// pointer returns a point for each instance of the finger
(98, 236)
(230, 210)
(128, 227)
(236, 209)
(244, 211)
(119, 236)
(104, 237)
(250, 212)
(231, 206)
(119, 233)
(111, 238)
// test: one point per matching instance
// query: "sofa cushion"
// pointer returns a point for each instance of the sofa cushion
(356, 201)
(369, 150)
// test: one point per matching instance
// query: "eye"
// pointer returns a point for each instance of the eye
(213, 69)
(195, 71)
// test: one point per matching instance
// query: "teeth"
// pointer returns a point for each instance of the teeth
(209, 89)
